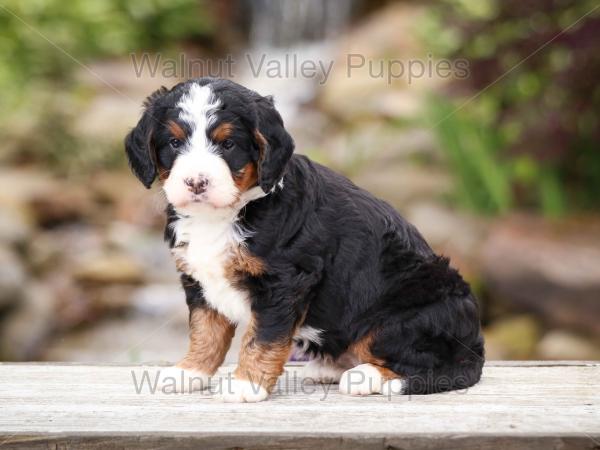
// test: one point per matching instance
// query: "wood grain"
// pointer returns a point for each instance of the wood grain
(516, 405)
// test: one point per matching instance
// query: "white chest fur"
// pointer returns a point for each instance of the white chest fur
(205, 246)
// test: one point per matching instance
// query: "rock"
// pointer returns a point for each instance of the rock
(147, 247)
(14, 226)
(512, 338)
(142, 207)
(24, 331)
(362, 97)
(18, 186)
(64, 247)
(60, 205)
(96, 119)
(447, 228)
(113, 186)
(398, 105)
(104, 75)
(564, 345)
(110, 268)
(549, 269)
(111, 299)
(452, 233)
(12, 278)
(158, 299)
(310, 129)
(73, 302)
(124, 340)
(402, 184)
(77, 241)
(133, 339)
(352, 92)
(82, 304)
(44, 252)
(35, 197)
(407, 144)
(373, 146)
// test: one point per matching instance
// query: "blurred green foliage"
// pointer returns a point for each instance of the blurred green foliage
(473, 148)
(44, 39)
(522, 131)
(43, 44)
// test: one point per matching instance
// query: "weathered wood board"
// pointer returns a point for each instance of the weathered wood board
(516, 405)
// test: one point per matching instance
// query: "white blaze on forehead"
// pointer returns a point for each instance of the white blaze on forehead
(197, 109)
(199, 158)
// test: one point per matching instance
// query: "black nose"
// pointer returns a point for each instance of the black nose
(196, 185)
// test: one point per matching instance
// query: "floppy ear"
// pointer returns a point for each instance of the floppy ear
(274, 142)
(138, 143)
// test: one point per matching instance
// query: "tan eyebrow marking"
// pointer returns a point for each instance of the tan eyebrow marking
(176, 130)
(222, 132)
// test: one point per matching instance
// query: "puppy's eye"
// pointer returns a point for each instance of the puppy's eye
(227, 144)
(175, 143)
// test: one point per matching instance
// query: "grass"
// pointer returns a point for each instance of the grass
(472, 148)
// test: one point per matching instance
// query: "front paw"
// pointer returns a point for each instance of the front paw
(231, 390)
(177, 380)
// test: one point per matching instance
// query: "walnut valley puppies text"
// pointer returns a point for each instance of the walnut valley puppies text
(293, 65)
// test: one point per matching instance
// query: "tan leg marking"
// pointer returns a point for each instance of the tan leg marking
(370, 377)
(210, 338)
(262, 363)
(362, 350)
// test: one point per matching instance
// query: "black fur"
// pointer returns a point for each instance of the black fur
(138, 146)
(337, 259)
(358, 267)
(280, 145)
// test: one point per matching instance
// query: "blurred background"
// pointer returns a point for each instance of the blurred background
(497, 164)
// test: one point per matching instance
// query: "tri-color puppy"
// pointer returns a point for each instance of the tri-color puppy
(298, 253)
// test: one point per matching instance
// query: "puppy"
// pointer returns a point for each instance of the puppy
(296, 252)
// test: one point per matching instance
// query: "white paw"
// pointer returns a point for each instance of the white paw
(393, 387)
(318, 371)
(175, 379)
(231, 390)
(361, 380)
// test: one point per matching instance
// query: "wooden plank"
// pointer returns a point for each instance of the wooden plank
(516, 405)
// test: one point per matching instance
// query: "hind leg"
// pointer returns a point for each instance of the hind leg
(326, 370)
(366, 379)
(370, 377)
(321, 371)
(429, 353)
